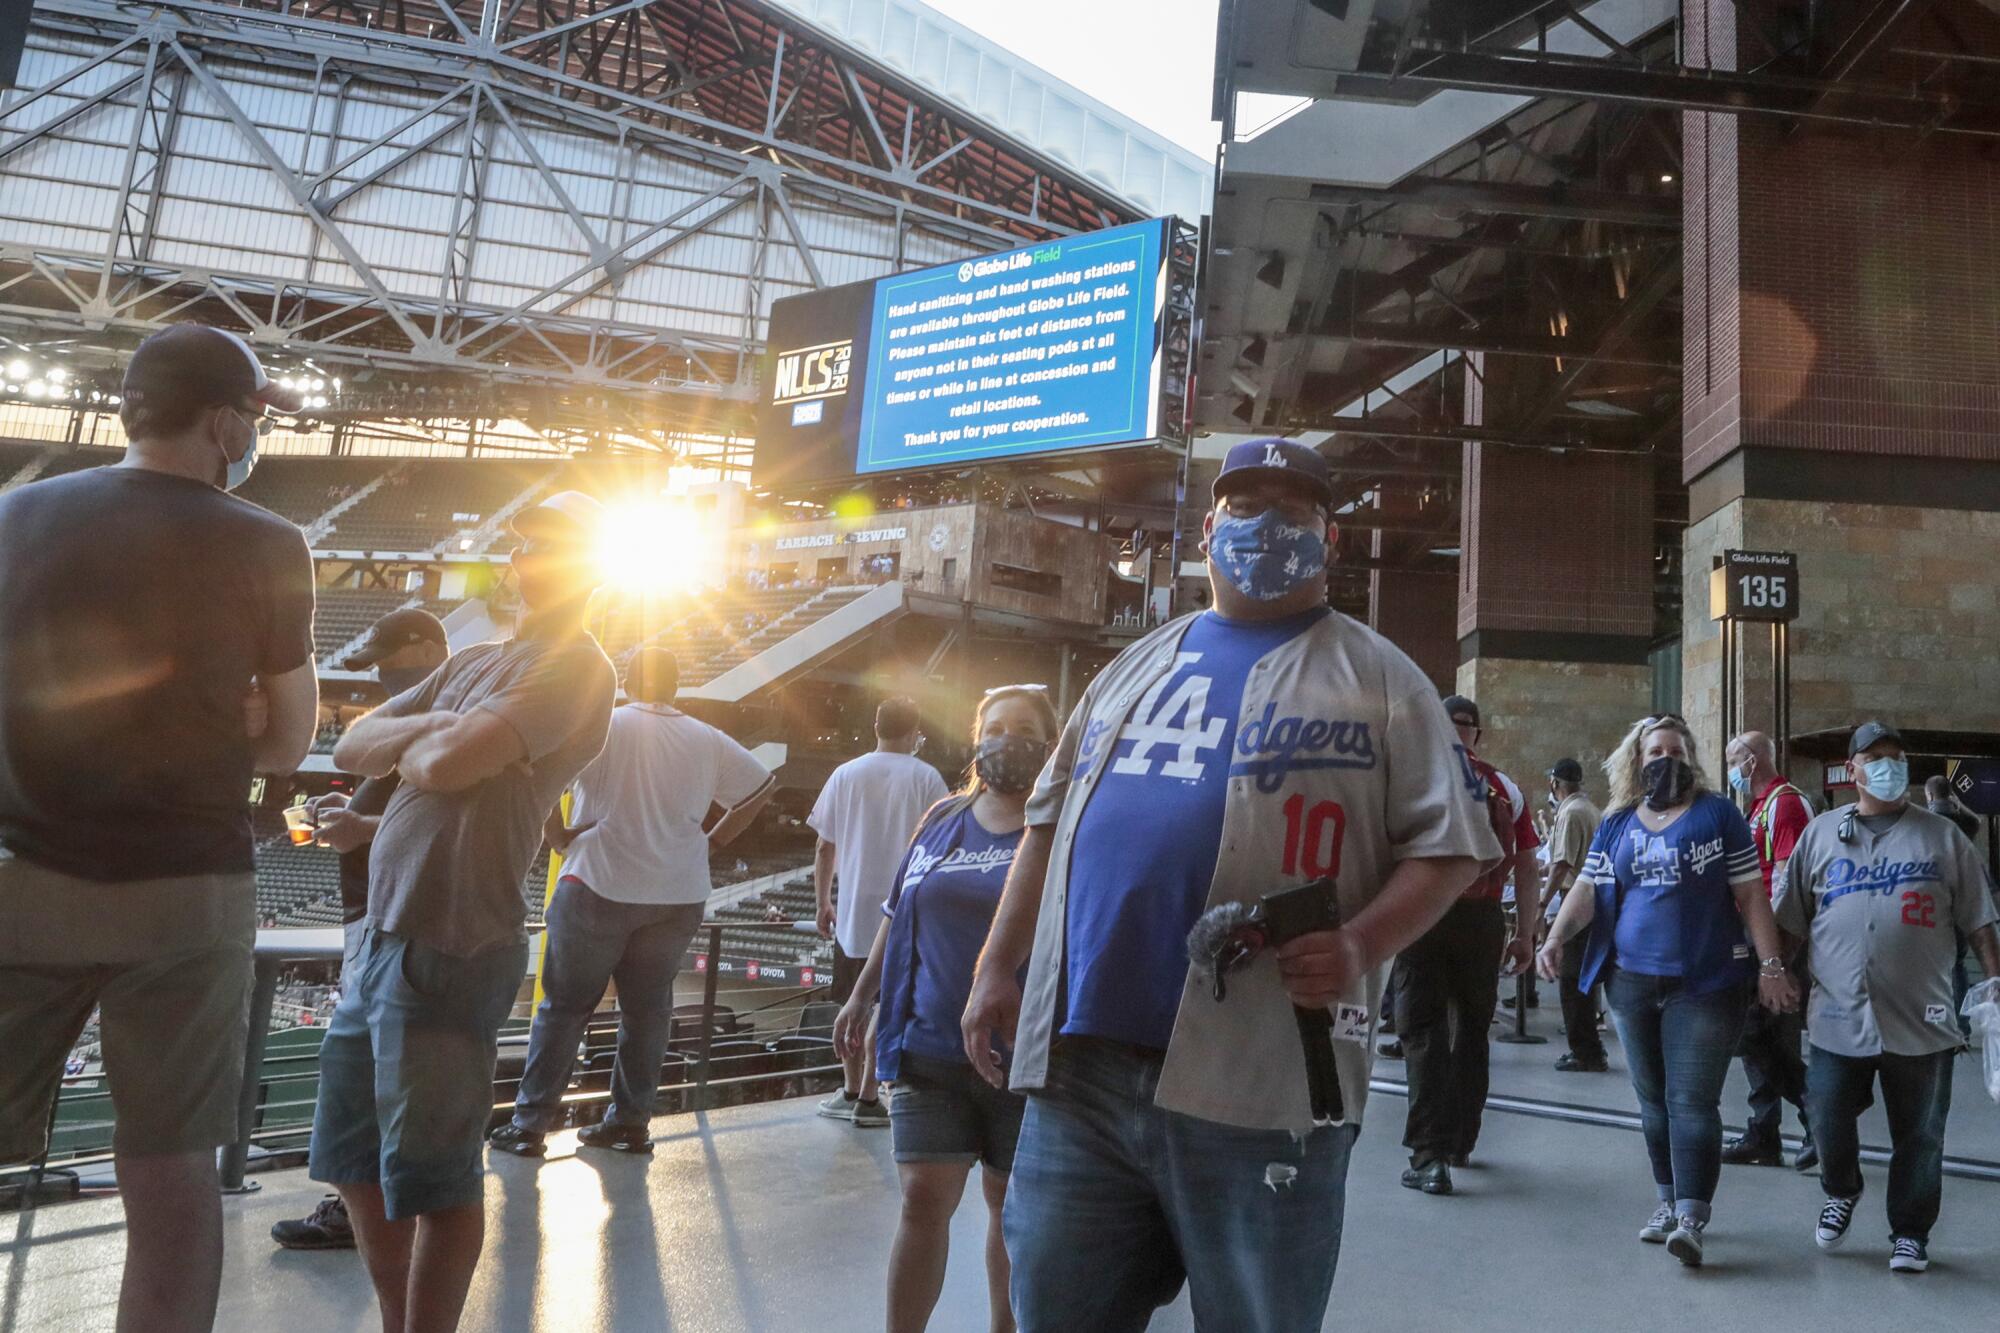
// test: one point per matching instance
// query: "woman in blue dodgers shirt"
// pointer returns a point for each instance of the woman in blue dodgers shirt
(1673, 887)
(944, 1116)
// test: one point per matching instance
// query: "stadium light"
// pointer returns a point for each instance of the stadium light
(57, 375)
(646, 546)
(17, 369)
(38, 389)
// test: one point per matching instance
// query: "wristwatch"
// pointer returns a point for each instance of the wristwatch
(1773, 965)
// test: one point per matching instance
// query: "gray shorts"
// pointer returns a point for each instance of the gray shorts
(942, 1111)
(165, 962)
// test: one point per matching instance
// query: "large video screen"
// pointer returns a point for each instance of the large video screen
(1050, 348)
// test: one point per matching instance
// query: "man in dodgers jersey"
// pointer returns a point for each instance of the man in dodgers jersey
(1229, 754)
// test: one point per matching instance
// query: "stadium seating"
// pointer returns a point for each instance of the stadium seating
(294, 881)
(343, 613)
(428, 501)
(302, 489)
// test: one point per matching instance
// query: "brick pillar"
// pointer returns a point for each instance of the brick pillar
(1416, 611)
(1842, 400)
(1555, 604)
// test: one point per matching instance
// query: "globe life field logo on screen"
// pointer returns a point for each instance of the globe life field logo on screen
(807, 376)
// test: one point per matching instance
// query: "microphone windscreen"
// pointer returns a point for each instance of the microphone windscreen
(1212, 931)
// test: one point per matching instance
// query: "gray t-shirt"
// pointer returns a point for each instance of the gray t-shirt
(446, 868)
(1878, 917)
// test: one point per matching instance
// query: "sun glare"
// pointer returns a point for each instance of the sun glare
(655, 546)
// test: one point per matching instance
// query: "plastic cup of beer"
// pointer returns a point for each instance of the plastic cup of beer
(299, 823)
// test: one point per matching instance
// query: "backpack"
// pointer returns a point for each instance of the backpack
(1500, 813)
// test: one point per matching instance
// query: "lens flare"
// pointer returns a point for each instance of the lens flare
(655, 546)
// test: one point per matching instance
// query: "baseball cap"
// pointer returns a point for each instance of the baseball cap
(564, 516)
(398, 629)
(1288, 459)
(1456, 705)
(1567, 770)
(1871, 733)
(198, 366)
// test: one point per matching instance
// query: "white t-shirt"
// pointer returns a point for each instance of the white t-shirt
(647, 793)
(868, 810)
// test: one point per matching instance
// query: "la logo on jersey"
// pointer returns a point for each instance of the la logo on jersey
(1654, 859)
(1176, 733)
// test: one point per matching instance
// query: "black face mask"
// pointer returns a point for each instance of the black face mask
(1667, 781)
(1010, 764)
(397, 679)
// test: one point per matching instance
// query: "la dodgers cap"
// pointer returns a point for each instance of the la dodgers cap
(1287, 459)
(1871, 733)
(398, 629)
(1457, 705)
(200, 366)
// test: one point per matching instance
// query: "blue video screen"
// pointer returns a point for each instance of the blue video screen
(1050, 348)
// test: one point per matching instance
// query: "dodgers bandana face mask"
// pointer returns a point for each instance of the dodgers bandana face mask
(1666, 780)
(1268, 556)
(1010, 764)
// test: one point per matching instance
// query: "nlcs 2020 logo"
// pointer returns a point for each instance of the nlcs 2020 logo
(812, 372)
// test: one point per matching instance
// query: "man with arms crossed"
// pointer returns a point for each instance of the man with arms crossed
(1229, 754)
(1875, 891)
(156, 650)
(864, 817)
(484, 747)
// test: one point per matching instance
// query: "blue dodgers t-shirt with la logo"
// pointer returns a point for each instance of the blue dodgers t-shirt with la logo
(1145, 848)
(1685, 867)
(940, 908)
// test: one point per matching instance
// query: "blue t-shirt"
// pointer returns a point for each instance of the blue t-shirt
(1672, 887)
(940, 907)
(1144, 851)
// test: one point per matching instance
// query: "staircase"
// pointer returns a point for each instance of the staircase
(796, 642)
(316, 531)
(29, 470)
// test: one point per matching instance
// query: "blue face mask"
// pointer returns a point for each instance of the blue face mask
(238, 471)
(1886, 779)
(1739, 780)
(1268, 556)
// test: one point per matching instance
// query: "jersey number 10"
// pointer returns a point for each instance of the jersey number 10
(1313, 837)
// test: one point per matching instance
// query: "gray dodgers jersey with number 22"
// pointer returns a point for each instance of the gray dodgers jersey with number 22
(1404, 788)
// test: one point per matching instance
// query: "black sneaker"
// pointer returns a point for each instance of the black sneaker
(1909, 1256)
(326, 1229)
(510, 1137)
(1746, 1151)
(1833, 1222)
(1390, 1050)
(616, 1138)
(1431, 1178)
(1570, 1063)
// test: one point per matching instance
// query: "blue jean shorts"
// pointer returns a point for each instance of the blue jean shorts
(943, 1111)
(406, 1072)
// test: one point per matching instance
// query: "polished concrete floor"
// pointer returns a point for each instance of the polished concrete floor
(766, 1218)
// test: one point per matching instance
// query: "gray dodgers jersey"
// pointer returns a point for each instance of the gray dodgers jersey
(1877, 915)
(1405, 789)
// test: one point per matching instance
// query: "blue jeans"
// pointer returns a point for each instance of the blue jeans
(1114, 1203)
(592, 940)
(1678, 1047)
(406, 1072)
(1916, 1094)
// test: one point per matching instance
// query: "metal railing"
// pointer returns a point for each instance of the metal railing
(280, 1088)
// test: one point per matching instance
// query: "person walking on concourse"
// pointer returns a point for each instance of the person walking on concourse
(1264, 745)
(1876, 891)
(1672, 898)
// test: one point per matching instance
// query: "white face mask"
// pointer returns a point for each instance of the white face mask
(237, 471)
(1886, 779)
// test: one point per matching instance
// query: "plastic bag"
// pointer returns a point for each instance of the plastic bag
(1982, 1009)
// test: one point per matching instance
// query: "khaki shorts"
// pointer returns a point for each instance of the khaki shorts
(166, 962)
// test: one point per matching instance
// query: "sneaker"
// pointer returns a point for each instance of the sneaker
(616, 1138)
(1390, 1050)
(1746, 1151)
(1833, 1222)
(1659, 1226)
(1685, 1242)
(1910, 1256)
(510, 1137)
(326, 1229)
(1432, 1178)
(840, 1106)
(1570, 1063)
(871, 1115)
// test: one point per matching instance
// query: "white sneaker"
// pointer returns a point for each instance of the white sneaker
(1685, 1243)
(1910, 1256)
(870, 1115)
(840, 1106)
(1833, 1223)
(1659, 1226)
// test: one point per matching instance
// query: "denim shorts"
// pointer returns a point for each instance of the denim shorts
(942, 1111)
(406, 1072)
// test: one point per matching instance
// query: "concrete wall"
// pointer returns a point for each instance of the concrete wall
(1535, 713)
(1899, 616)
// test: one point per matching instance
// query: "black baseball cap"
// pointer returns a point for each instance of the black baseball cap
(193, 365)
(397, 630)
(1288, 459)
(1457, 705)
(1567, 770)
(1871, 733)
